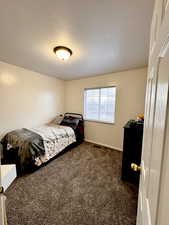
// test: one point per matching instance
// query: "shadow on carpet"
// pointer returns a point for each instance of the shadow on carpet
(81, 187)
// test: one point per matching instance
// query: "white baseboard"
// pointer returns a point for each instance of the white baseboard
(104, 145)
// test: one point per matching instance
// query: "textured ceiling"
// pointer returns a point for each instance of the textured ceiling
(104, 35)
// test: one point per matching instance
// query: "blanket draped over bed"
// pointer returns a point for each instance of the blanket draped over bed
(38, 145)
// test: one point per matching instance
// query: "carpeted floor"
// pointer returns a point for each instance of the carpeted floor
(80, 187)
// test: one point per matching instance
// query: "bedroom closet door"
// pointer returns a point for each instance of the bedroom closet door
(156, 118)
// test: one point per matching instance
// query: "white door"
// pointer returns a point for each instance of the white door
(156, 112)
(3, 219)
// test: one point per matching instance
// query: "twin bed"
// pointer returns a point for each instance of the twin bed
(31, 148)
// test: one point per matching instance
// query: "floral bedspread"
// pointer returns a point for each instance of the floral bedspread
(55, 139)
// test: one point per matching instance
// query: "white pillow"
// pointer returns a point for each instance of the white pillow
(57, 120)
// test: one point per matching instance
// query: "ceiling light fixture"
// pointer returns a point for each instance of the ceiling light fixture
(63, 53)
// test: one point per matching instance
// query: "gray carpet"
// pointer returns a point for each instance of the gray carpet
(80, 187)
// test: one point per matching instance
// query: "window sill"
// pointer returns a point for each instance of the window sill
(98, 121)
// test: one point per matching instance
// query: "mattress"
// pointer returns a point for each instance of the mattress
(37, 145)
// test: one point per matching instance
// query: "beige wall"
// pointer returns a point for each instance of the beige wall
(131, 87)
(28, 99)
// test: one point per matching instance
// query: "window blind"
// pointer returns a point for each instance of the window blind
(99, 104)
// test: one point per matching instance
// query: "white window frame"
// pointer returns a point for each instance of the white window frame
(99, 121)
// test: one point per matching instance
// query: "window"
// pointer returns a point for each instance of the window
(99, 104)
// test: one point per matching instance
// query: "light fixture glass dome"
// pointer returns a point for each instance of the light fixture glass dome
(63, 53)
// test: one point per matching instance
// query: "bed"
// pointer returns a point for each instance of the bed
(31, 148)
